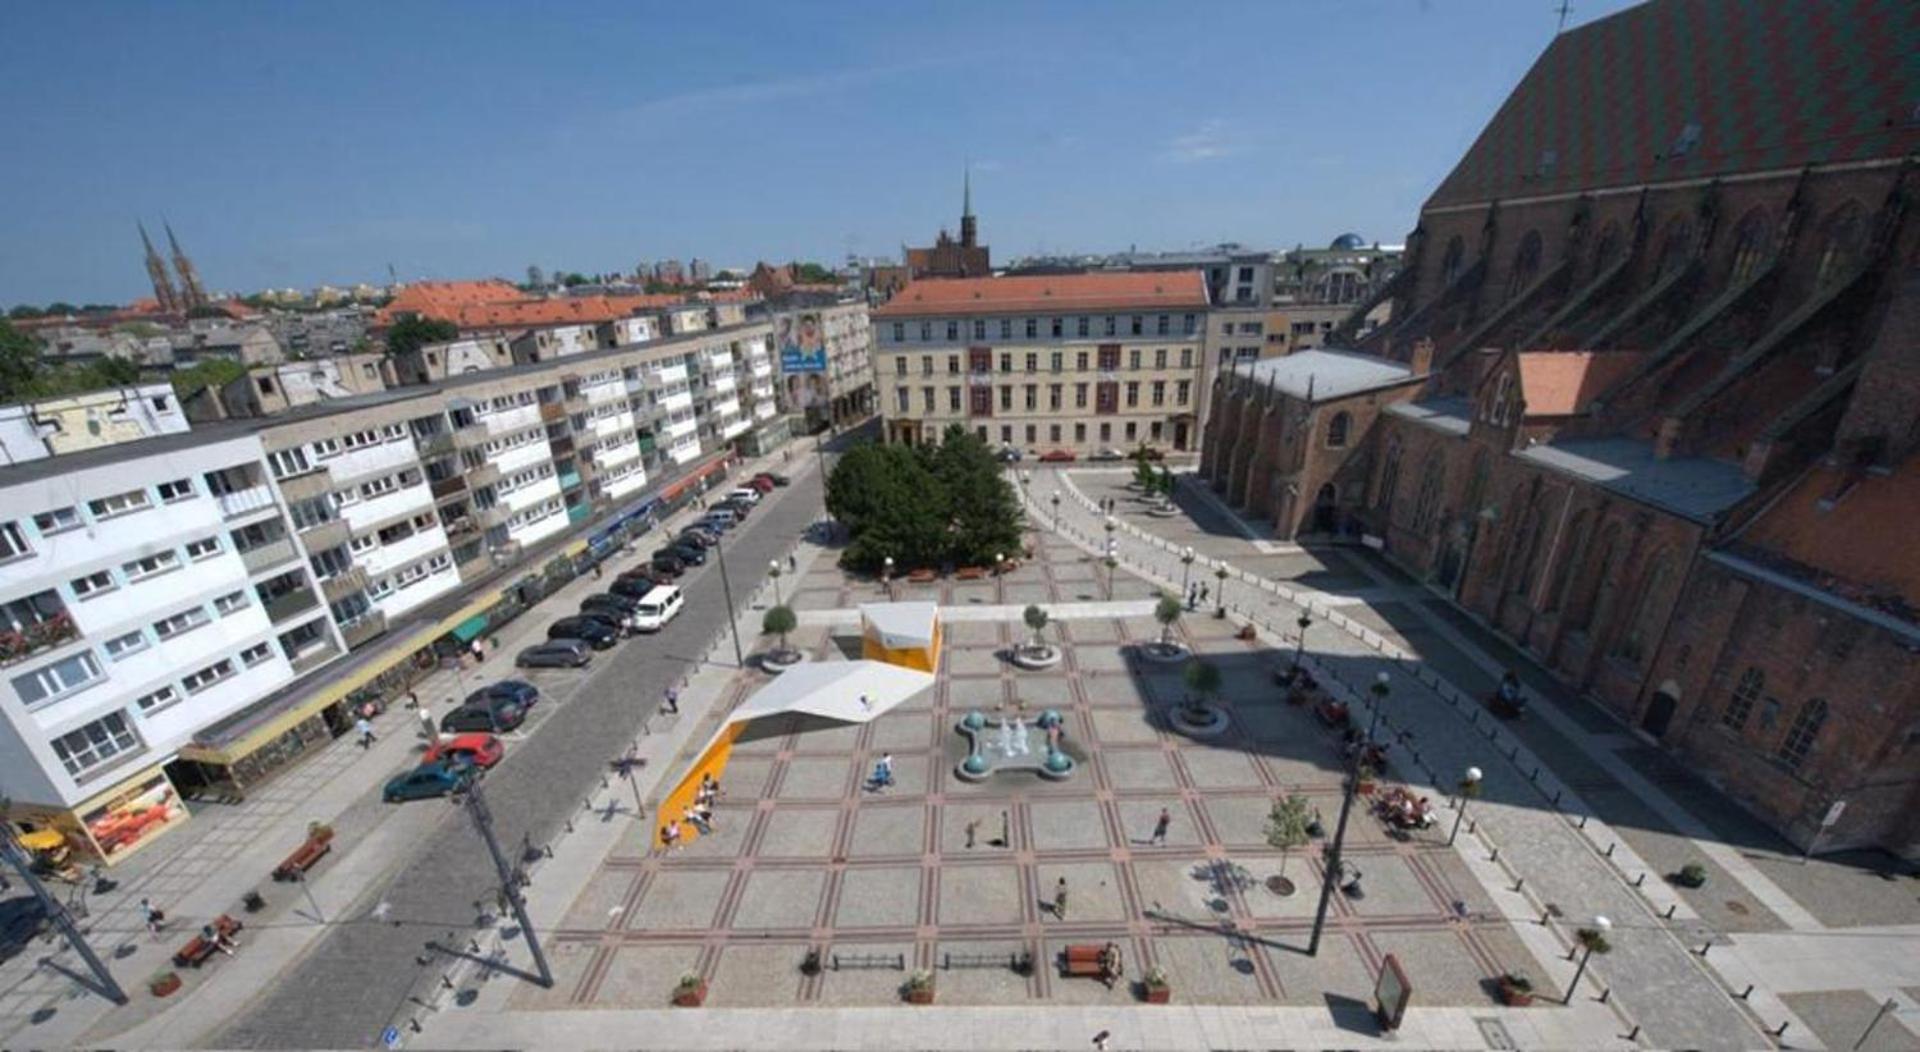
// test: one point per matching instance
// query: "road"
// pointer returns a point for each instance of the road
(358, 976)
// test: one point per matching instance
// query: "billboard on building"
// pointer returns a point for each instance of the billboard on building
(138, 810)
(802, 343)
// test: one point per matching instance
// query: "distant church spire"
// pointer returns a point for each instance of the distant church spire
(969, 230)
(191, 293)
(163, 291)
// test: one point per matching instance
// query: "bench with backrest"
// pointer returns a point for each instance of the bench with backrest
(306, 856)
(198, 949)
(1092, 959)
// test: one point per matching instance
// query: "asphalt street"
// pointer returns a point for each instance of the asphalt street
(359, 975)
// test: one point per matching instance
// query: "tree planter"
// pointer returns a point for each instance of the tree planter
(1279, 885)
(778, 661)
(163, 984)
(1691, 875)
(1030, 657)
(1164, 653)
(252, 902)
(691, 993)
(919, 988)
(1516, 991)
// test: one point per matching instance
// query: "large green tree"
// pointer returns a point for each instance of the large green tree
(986, 514)
(892, 505)
(413, 332)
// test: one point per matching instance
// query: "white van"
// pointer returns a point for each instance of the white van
(658, 607)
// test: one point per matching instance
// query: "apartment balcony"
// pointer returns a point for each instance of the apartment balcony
(269, 555)
(483, 476)
(330, 534)
(47, 625)
(451, 486)
(343, 584)
(553, 412)
(437, 444)
(475, 566)
(470, 436)
(363, 628)
(313, 656)
(562, 446)
(569, 480)
(259, 498)
(494, 516)
(460, 528)
(291, 604)
(578, 403)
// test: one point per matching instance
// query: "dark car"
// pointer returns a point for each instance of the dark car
(689, 553)
(1009, 454)
(607, 602)
(698, 535)
(488, 714)
(740, 508)
(633, 587)
(555, 653)
(1056, 456)
(613, 619)
(517, 691)
(593, 631)
(668, 566)
(719, 521)
(1109, 453)
(427, 781)
(774, 477)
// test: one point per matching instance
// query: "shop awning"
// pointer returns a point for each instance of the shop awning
(471, 627)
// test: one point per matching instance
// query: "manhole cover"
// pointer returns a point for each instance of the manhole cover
(1738, 909)
(1494, 1033)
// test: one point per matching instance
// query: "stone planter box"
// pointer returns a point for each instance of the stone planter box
(690, 996)
(1029, 658)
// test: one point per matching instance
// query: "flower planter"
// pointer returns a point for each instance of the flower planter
(1515, 991)
(163, 984)
(1157, 995)
(690, 995)
(920, 996)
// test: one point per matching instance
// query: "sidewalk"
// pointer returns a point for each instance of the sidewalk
(204, 868)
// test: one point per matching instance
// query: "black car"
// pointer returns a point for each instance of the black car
(490, 713)
(669, 566)
(555, 653)
(699, 536)
(607, 602)
(591, 630)
(740, 508)
(774, 477)
(613, 619)
(518, 691)
(689, 553)
(633, 586)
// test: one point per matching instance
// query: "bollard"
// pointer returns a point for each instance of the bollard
(1705, 946)
(1605, 994)
(1609, 851)
(1556, 798)
(1520, 883)
(1640, 880)
(1546, 917)
(446, 983)
(569, 825)
(1583, 821)
(413, 1024)
(1671, 906)
(1634, 1034)
(473, 945)
(1782, 1032)
(1495, 857)
(1535, 776)
(1744, 994)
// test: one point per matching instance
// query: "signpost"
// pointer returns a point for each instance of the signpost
(1392, 991)
(1827, 821)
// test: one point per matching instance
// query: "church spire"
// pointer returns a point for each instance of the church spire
(163, 292)
(969, 230)
(191, 294)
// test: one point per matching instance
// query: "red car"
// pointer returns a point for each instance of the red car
(761, 483)
(1056, 456)
(475, 748)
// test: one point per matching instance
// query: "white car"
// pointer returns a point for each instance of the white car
(657, 607)
(746, 493)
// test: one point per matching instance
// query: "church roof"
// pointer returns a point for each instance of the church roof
(1682, 89)
(1697, 488)
(1324, 375)
(1048, 293)
(1564, 383)
(1854, 546)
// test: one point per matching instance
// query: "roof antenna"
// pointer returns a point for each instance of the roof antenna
(1563, 9)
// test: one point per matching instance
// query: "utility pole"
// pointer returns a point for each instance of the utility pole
(1334, 865)
(509, 883)
(726, 591)
(57, 913)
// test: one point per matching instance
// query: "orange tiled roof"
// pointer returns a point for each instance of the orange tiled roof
(1562, 383)
(1048, 292)
(439, 299)
(494, 304)
(1858, 545)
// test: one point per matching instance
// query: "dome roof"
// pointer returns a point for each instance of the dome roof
(1349, 241)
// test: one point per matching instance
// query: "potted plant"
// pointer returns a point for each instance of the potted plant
(1363, 780)
(252, 902)
(1691, 875)
(319, 832)
(1516, 990)
(1167, 612)
(1154, 987)
(691, 991)
(778, 622)
(920, 987)
(1287, 828)
(1036, 620)
(1316, 826)
(163, 982)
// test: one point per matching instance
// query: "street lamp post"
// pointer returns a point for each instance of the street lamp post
(886, 576)
(820, 450)
(726, 592)
(1056, 511)
(773, 568)
(1300, 643)
(1601, 926)
(1186, 575)
(1000, 574)
(1220, 574)
(1469, 788)
(1112, 564)
(1334, 865)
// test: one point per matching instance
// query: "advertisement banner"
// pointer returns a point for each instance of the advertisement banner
(802, 343)
(135, 813)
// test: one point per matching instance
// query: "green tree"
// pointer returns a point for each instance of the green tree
(206, 310)
(892, 505)
(572, 279)
(1203, 678)
(1036, 619)
(1166, 611)
(986, 513)
(813, 274)
(60, 309)
(779, 621)
(24, 310)
(211, 372)
(19, 363)
(414, 331)
(1143, 475)
(1287, 826)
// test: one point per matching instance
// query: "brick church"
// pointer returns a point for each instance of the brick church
(1649, 405)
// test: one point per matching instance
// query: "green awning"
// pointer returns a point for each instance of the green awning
(472, 626)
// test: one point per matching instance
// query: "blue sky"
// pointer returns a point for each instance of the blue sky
(293, 144)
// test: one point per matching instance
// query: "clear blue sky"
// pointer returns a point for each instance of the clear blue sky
(292, 144)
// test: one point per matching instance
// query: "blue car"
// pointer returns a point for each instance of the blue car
(427, 781)
(518, 691)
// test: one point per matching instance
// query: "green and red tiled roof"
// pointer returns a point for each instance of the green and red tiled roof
(1768, 84)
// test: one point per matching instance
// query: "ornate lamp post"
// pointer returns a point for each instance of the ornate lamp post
(1334, 865)
(1594, 939)
(1300, 642)
(773, 568)
(1469, 788)
(886, 575)
(1220, 575)
(1056, 511)
(1186, 574)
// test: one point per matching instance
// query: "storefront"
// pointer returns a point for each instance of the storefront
(113, 825)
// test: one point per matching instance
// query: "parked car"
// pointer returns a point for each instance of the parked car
(1009, 454)
(613, 619)
(741, 509)
(487, 714)
(555, 653)
(591, 630)
(659, 607)
(427, 781)
(759, 484)
(607, 602)
(699, 535)
(634, 587)
(667, 567)
(1056, 456)
(774, 477)
(1108, 453)
(749, 494)
(719, 519)
(518, 691)
(1149, 453)
(687, 552)
(475, 749)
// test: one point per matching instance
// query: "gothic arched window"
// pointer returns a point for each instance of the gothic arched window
(1337, 429)
(1745, 693)
(1805, 730)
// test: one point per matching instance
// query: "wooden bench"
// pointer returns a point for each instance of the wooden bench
(304, 858)
(198, 949)
(1101, 962)
(922, 576)
(1332, 713)
(970, 573)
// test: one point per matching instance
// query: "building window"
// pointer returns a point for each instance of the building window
(1745, 693)
(979, 328)
(178, 489)
(1053, 396)
(152, 565)
(953, 365)
(1006, 434)
(926, 399)
(255, 654)
(1139, 325)
(90, 746)
(195, 682)
(58, 679)
(1006, 328)
(1161, 325)
(93, 584)
(1058, 327)
(1079, 396)
(1133, 431)
(203, 548)
(1033, 363)
(1006, 363)
(1033, 327)
(1160, 358)
(126, 645)
(926, 365)
(953, 331)
(899, 332)
(118, 504)
(185, 621)
(900, 366)
(1805, 730)
(1113, 325)
(1053, 433)
(1080, 361)
(1187, 323)
(1182, 391)
(1133, 359)
(1006, 397)
(926, 332)
(1033, 396)
(1106, 432)
(1337, 430)
(1032, 434)
(59, 520)
(1055, 361)
(953, 399)
(1159, 392)
(154, 701)
(1133, 396)
(1186, 357)
(1080, 433)
(1081, 325)
(900, 396)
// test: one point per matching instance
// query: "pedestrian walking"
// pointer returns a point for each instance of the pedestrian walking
(479, 650)
(1060, 900)
(1160, 828)
(673, 835)
(1203, 593)
(217, 939)
(1006, 831)
(866, 705)
(364, 727)
(1100, 1041)
(885, 768)
(152, 916)
(672, 703)
(427, 728)
(973, 828)
(793, 563)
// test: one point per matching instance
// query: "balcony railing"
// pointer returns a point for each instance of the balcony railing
(345, 583)
(363, 628)
(460, 527)
(453, 485)
(552, 411)
(329, 534)
(438, 444)
(55, 631)
(270, 554)
(569, 479)
(291, 604)
(249, 500)
(315, 655)
(470, 436)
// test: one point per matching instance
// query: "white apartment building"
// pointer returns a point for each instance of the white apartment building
(52, 426)
(149, 589)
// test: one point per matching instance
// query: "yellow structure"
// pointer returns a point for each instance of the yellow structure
(903, 634)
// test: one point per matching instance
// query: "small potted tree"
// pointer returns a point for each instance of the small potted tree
(1154, 988)
(1516, 990)
(1363, 779)
(163, 982)
(1691, 875)
(1167, 612)
(253, 902)
(1287, 827)
(779, 621)
(319, 832)
(920, 987)
(691, 992)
